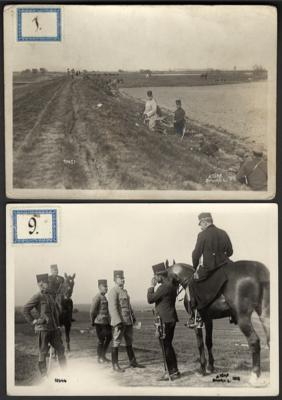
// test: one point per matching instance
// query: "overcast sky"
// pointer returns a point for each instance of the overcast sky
(96, 239)
(155, 37)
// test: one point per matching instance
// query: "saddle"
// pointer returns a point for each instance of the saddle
(205, 291)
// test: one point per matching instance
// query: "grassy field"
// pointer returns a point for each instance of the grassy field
(230, 351)
(73, 134)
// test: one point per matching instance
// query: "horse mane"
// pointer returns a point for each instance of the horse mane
(181, 273)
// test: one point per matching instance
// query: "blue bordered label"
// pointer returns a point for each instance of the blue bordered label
(39, 24)
(35, 226)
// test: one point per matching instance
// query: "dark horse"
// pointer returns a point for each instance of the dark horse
(247, 289)
(65, 305)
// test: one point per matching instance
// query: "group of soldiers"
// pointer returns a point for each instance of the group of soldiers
(152, 114)
(112, 314)
(253, 170)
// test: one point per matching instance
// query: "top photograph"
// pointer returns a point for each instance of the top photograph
(135, 102)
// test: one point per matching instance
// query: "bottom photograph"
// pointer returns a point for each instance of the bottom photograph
(142, 299)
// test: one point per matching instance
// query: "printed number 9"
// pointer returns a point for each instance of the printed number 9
(32, 225)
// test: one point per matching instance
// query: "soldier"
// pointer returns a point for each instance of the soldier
(253, 171)
(47, 325)
(100, 318)
(212, 250)
(122, 321)
(55, 280)
(164, 298)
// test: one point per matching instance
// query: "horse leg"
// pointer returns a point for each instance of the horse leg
(67, 332)
(209, 328)
(264, 312)
(201, 347)
(248, 330)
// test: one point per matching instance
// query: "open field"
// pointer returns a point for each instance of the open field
(188, 78)
(75, 134)
(230, 351)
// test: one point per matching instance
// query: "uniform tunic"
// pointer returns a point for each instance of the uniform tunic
(99, 311)
(99, 315)
(47, 324)
(55, 282)
(214, 246)
(121, 316)
(164, 298)
(254, 173)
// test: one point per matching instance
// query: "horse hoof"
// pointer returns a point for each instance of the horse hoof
(200, 373)
(210, 370)
(257, 381)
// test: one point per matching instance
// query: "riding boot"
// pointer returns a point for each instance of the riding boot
(104, 351)
(132, 360)
(100, 353)
(115, 363)
(42, 368)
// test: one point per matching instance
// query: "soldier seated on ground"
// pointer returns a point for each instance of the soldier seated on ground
(100, 318)
(253, 171)
(179, 118)
(47, 325)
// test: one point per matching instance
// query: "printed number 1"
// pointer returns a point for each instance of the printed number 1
(32, 225)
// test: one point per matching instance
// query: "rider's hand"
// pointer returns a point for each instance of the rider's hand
(196, 275)
(154, 281)
(34, 322)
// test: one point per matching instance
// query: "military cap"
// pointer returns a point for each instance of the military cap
(159, 269)
(102, 282)
(204, 216)
(42, 278)
(52, 266)
(118, 274)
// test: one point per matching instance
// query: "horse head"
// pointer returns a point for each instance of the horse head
(67, 286)
(181, 273)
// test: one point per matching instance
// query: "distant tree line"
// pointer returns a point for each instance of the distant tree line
(35, 71)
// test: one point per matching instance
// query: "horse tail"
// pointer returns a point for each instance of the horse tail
(263, 309)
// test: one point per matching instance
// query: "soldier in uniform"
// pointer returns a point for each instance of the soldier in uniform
(100, 318)
(122, 321)
(164, 298)
(47, 324)
(212, 250)
(253, 171)
(55, 280)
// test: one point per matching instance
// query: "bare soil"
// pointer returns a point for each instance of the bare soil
(73, 134)
(230, 350)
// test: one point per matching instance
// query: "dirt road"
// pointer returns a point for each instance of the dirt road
(70, 134)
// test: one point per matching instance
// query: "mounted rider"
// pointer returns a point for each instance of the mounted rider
(100, 318)
(212, 251)
(47, 325)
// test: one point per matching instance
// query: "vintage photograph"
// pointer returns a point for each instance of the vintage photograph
(143, 299)
(140, 102)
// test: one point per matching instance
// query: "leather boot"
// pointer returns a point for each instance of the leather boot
(132, 360)
(42, 368)
(115, 363)
(106, 360)
(100, 353)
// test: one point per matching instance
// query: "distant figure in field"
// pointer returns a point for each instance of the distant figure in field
(150, 112)
(179, 118)
(253, 171)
